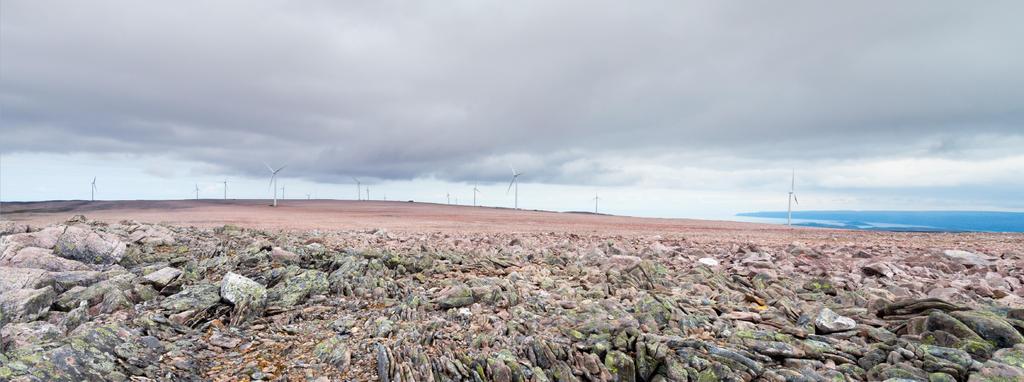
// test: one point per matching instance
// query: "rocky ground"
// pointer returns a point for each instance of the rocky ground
(86, 300)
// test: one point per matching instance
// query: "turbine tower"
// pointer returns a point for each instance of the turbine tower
(596, 198)
(475, 190)
(367, 193)
(792, 199)
(225, 189)
(514, 183)
(282, 192)
(273, 180)
(359, 189)
(448, 198)
(92, 195)
(197, 191)
(308, 197)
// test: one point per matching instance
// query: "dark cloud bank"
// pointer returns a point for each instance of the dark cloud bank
(460, 90)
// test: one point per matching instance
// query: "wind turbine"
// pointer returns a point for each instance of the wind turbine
(475, 190)
(308, 197)
(596, 198)
(792, 199)
(197, 191)
(367, 193)
(92, 195)
(515, 183)
(282, 192)
(273, 179)
(359, 189)
(225, 188)
(448, 198)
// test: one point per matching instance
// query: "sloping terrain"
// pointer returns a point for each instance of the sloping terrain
(89, 300)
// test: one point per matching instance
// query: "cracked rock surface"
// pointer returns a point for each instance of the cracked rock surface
(89, 301)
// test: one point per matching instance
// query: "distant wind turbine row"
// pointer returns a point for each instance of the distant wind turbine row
(513, 187)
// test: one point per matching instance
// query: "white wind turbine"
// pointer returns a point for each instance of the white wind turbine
(359, 189)
(792, 199)
(197, 191)
(273, 179)
(596, 198)
(475, 191)
(225, 189)
(448, 198)
(92, 195)
(514, 183)
(367, 193)
(282, 192)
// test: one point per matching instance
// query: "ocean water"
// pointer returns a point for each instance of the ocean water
(916, 221)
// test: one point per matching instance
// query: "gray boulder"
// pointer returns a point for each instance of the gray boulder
(968, 258)
(193, 297)
(27, 336)
(296, 289)
(990, 327)
(95, 293)
(456, 297)
(23, 305)
(163, 276)
(21, 278)
(88, 246)
(828, 321)
(92, 353)
(40, 258)
(151, 235)
(248, 297)
(67, 280)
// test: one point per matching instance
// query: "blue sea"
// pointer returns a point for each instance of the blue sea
(912, 221)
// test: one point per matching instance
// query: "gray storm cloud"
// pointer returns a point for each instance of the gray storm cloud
(461, 90)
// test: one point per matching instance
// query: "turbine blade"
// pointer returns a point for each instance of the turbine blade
(271, 169)
(795, 200)
(510, 185)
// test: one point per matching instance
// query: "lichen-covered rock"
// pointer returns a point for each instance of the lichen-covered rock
(334, 351)
(163, 276)
(96, 293)
(248, 297)
(296, 289)
(89, 246)
(193, 297)
(67, 280)
(456, 297)
(23, 305)
(91, 353)
(1005, 365)
(991, 328)
(20, 278)
(39, 258)
(151, 235)
(27, 336)
(621, 366)
(75, 317)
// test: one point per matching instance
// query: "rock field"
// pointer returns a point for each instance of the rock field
(91, 301)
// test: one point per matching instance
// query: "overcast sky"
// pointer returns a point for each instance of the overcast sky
(671, 108)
